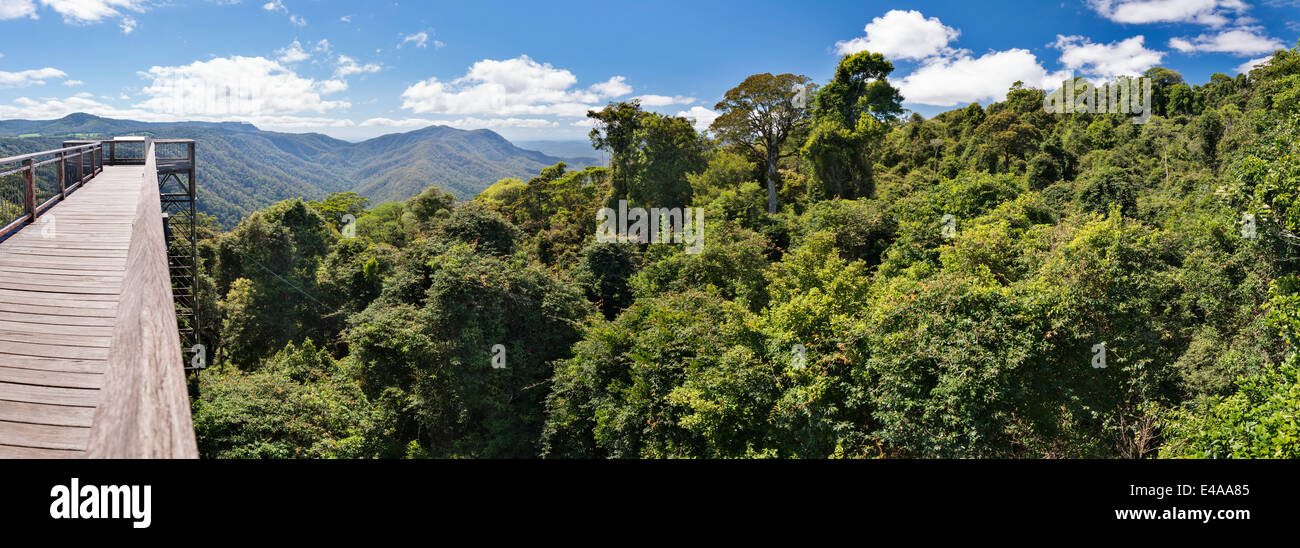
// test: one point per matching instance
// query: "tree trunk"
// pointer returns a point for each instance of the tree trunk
(771, 181)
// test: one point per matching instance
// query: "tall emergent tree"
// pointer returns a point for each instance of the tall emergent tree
(615, 133)
(850, 114)
(761, 114)
(650, 154)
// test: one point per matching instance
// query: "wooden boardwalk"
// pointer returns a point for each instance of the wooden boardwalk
(60, 285)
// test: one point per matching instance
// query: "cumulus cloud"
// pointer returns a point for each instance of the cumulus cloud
(1239, 41)
(1246, 67)
(235, 87)
(92, 11)
(403, 123)
(614, 87)
(347, 66)
(292, 53)
(13, 9)
(510, 87)
(902, 35)
(1123, 58)
(1206, 12)
(664, 100)
(25, 78)
(703, 117)
(950, 76)
(965, 79)
(463, 123)
(79, 12)
(51, 108)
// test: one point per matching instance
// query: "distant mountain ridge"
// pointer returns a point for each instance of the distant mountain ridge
(243, 168)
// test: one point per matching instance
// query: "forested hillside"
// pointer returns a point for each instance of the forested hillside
(242, 169)
(990, 282)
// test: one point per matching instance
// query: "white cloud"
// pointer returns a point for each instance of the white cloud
(902, 35)
(403, 123)
(73, 83)
(292, 53)
(614, 87)
(1206, 12)
(235, 88)
(1124, 58)
(420, 39)
(327, 87)
(297, 20)
(275, 5)
(346, 19)
(463, 123)
(494, 123)
(27, 78)
(51, 108)
(348, 66)
(664, 100)
(13, 9)
(1245, 68)
(703, 117)
(92, 11)
(79, 12)
(511, 87)
(1239, 41)
(966, 79)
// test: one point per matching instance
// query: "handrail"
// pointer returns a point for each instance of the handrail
(145, 410)
(21, 157)
(31, 205)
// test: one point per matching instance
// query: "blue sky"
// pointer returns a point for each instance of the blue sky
(529, 70)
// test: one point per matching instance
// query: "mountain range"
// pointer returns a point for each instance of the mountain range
(242, 168)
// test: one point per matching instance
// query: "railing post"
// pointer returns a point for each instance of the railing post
(193, 169)
(29, 188)
(112, 153)
(99, 159)
(81, 164)
(63, 183)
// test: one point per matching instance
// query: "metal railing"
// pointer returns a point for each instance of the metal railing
(32, 183)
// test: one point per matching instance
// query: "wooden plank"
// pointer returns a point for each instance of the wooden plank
(46, 319)
(52, 415)
(18, 272)
(56, 311)
(50, 337)
(80, 289)
(42, 436)
(50, 395)
(146, 408)
(12, 452)
(53, 364)
(54, 351)
(61, 379)
(104, 293)
(77, 330)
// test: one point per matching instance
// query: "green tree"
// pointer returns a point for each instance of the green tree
(760, 114)
(849, 119)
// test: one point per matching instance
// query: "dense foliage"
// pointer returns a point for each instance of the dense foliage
(991, 282)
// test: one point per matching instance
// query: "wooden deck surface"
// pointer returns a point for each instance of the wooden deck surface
(60, 284)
